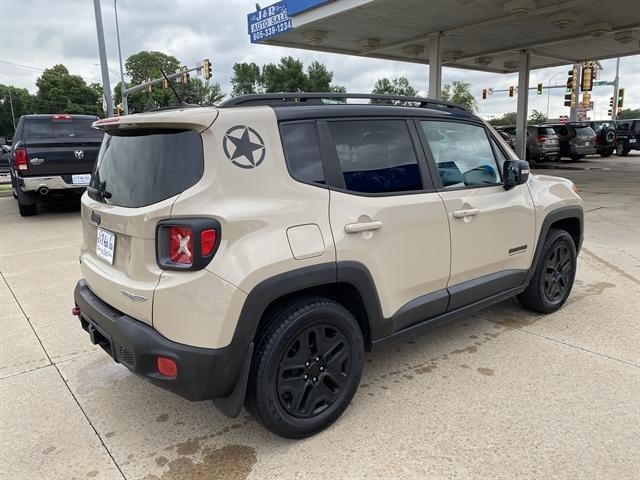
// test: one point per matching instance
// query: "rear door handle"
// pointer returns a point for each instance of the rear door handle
(470, 212)
(362, 227)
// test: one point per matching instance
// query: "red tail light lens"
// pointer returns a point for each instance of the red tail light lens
(21, 159)
(181, 245)
(542, 138)
(167, 367)
(187, 243)
(208, 241)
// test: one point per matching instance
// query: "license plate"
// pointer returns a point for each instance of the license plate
(632, 140)
(83, 179)
(105, 245)
(586, 144)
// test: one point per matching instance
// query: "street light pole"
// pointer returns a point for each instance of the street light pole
(106, 87)
(123, 85)
(549, 91)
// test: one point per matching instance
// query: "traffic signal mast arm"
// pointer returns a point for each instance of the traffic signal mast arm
(158, 81)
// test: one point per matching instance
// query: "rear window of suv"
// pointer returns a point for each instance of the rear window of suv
(143, 167)
(51, 127)
(585, 132)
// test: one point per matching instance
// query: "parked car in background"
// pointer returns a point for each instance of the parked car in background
(5, 154)
(542, 142)
(627, 136)
(508, 139)
(52, 155)
(605, 137)
(577, 140)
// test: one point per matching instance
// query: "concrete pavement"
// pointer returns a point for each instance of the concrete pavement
(501, 394)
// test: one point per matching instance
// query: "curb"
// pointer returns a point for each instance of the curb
(6, 193)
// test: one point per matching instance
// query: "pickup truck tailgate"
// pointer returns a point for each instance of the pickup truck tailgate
(61, 156)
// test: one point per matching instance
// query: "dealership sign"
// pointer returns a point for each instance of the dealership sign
(269, 22)
(275, 19)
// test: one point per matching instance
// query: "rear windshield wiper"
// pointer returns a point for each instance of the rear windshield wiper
(101, 194)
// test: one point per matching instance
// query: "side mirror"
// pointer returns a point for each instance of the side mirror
(514, 173)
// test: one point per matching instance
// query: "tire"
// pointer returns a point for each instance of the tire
(554, 274)
(309, 346)
(608, 136)
(621, 150)
(26, 204)
(577, 158)
(606, 153)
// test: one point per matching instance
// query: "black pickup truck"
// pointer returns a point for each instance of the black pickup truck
(628, 136)
(52, 155)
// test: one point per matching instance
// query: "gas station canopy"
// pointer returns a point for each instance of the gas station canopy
(484, 35)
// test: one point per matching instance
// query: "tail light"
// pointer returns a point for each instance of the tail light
(21, 159)
(186, 243)
(542, 138)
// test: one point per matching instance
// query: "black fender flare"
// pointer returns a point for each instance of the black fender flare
(562, 213)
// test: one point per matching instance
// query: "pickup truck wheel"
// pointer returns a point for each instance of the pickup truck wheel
(606, 153)
(26, 204)
(621, 150)
(554, 274)
(307, 367)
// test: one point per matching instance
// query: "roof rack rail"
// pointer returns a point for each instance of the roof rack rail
(316, 98)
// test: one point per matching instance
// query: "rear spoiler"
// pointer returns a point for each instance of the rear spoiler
(192, 118)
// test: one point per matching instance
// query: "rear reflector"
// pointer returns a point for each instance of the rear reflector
(21, 159)
(75, 311)
(208, 241)
(181, 245)
(166, 367)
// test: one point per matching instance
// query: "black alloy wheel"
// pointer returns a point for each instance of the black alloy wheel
(559, 273)
(313, 371)
(306, 367)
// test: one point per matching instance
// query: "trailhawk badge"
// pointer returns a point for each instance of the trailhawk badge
(244, 146)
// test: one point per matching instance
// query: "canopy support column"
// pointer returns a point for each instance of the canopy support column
(435, 65)
(523, 104)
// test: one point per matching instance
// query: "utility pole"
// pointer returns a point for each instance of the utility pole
(616, 86)
(123, 85)
(103, 58)
(13, 116)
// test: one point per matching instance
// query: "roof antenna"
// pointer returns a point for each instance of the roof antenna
(180, 102)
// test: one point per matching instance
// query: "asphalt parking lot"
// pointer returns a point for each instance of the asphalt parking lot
(502, 394)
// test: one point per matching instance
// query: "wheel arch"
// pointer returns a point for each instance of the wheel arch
(570, 219)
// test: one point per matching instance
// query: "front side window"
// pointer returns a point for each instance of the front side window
(462, 153)
(302, 152)
(376, 156)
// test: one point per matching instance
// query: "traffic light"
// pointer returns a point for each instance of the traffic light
(184, 78)
(511, 90)
(570, 99)
(572, 81)
(484, 93)
(149, 87)
(539, 89)
(165, 84)
(620, 98)
(206, 69)
(119, 109)
(586, 81)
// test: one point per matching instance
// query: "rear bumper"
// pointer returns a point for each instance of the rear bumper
(590, 150)
(56, 182)
(202, 373)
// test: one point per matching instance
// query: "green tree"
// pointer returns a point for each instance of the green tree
(22, 104)
(318, 78)
(398, 86)
(629, 113)
(506, 119)
(286, 76)
(246, 79)
(61, 92)
(537, 117)
(459, 92)
(202, 93)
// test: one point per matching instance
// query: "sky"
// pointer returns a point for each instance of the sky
(42, 33)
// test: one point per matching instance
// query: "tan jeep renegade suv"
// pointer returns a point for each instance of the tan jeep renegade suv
(251, 253)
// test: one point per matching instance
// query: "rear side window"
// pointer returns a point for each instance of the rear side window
(50, 127)
(302, 152)
(546, 131)
(143, 167)
(376, 156)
